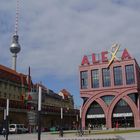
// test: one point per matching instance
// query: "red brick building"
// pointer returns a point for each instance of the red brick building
(110, 93)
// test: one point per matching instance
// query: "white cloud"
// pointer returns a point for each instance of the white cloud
(55, 34)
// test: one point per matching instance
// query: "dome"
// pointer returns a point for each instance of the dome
(15, 46)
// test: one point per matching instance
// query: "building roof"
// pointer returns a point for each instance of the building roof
(11, 75)
(65, 94)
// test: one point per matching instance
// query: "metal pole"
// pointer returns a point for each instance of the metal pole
(77, 120)
(61, 129)
(39, 113)
(7, 118)
(39, 126)
(4, 123)
(61, 117)
(81, 117)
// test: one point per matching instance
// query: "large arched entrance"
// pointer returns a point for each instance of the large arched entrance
(122, 115)
(95, 116)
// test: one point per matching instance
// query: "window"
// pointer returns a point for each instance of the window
(130, 78)
(134, 97)
(122, 103)
(95, 108)
(95, 78)
(106, 77)
(108, 99)
(118, 76)
(84, 79)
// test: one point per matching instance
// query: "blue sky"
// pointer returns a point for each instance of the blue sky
(55, 34)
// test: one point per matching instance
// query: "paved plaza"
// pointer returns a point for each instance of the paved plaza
(46, 136)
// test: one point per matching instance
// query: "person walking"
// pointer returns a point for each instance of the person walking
(89, 128)
(4, 131)
(61, 132)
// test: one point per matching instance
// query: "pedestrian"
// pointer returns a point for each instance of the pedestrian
(89, 128)
(61, 132)
(4, 131)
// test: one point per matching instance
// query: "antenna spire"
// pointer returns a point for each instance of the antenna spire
(17, 16)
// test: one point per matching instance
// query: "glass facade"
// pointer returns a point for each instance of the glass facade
(84, 80)
(117, 75)
(107, 99)
(134, 97)
(95, 78)
(95, 108)
(122, 103)
(106, 77)
(130, 78)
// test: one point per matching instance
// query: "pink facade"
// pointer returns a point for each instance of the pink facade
(119, 92)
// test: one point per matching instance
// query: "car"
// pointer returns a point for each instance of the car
(17, 129)
(23, 128)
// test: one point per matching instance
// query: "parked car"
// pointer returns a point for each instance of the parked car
(23, 128)
(17, 129)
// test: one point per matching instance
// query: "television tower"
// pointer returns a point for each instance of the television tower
(15, 46)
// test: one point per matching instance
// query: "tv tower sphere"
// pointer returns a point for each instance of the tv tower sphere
(14, 49)
(15, 46)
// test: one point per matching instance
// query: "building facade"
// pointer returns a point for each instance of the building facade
(23, 95)
(110, 90)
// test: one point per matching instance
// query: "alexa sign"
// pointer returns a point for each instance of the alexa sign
(104, 56)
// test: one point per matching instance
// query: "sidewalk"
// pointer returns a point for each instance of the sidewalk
(46, 136)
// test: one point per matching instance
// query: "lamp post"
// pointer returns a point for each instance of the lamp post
(7, 118)
(61, 129)
(39, 112)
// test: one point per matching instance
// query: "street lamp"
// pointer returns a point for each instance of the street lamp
(39, 112)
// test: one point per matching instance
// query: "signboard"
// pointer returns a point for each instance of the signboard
(116, 115)
(106, 56)
(32, 118)
(95, 116)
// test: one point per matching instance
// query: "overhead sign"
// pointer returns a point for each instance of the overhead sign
(105, 56)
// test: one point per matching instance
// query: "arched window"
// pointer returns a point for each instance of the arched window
(107, 99)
